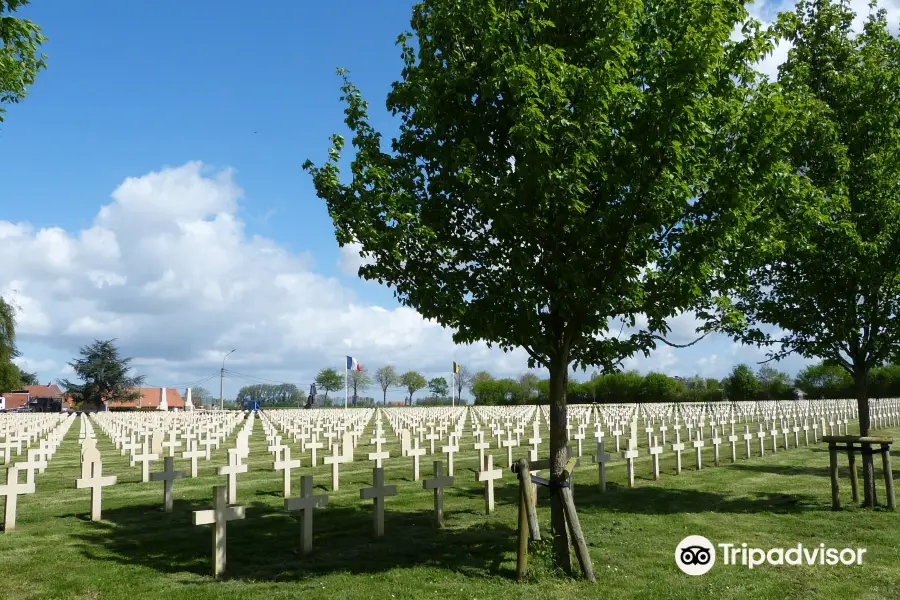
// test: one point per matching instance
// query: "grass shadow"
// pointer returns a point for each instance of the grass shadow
(266, 545)
(660, 500)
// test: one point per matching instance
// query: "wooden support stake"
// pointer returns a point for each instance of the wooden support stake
(854, 486)
(888, 475)
(835, 492)
(581, 549)
(522, 554)
(528, 490)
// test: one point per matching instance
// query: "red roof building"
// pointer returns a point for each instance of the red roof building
(13, 400)
(149, 398)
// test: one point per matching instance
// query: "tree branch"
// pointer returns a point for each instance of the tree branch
(674, 345)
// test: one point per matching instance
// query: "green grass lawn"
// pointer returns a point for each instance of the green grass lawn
(138, 551)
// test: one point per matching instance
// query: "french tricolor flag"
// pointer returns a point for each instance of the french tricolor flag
(353, 365)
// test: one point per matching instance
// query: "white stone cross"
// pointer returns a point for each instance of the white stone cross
(438, 484)
(488, 475)
(629, 455)
(12, 489)
(379, 455)
(579, 437)
(377, 494)
(451, 449)
(232, 470)
(601, 459)
(168, 476)
(509, 444)
(762, 437)
(314, 446)
(307, 503)
(416, 452)
(732, 439)
(617, 433)
(220, 514)
(285, 464)
(431, 437)
(193, 453)
(172, 443)
(481, 446)
(747, 437)
(716, 440)
(92, 477)
(698, 448)
(655, 451)
(335, 460)
(678, 448)
(145, 457)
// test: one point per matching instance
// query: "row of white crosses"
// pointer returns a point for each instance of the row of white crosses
(780, 422)
(20, 433)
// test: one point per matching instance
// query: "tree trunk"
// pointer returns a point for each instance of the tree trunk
(559, 377)
(861, 377)
(384, 398)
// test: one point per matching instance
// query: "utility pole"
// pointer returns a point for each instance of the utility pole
(222, 383)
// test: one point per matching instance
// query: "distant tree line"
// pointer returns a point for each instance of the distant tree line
(386, 377)
(767, 383)
(271, 394)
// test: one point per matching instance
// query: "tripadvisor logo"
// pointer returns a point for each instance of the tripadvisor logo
(696, 555)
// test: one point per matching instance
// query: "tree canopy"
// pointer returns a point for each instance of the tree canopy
(560, 167)
(20, 57)
(413, 382)
(358, 381)
(329, 380)
(270, 394)
(828, 278)
(824, 281)
(439, 387)
(105, 376)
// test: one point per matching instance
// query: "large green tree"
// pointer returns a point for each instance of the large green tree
(559, 166)
(825, 381)
(9, 373)
(329, 380)
(104, 374)
(828, 275)
(741, 384)
(439, 387)
(774, 384)
(413, 382)
(20, 57)
(386, 377)
(271, 394)
(359, 381)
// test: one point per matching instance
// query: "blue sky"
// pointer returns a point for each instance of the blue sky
(189, 260)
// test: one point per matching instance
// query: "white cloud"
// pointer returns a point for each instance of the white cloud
(168, 268)
(31, 366)
(350, 259)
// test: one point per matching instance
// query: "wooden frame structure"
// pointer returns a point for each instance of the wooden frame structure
(851, 444)
(528, 522)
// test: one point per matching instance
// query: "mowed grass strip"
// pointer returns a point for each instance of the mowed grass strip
(138, 551)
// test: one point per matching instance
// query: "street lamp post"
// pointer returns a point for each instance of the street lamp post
(222, 382)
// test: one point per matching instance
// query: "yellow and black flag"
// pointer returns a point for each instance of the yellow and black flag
(455, 367)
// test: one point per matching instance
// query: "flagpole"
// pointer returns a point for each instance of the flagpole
(452, 387)
(345, 384)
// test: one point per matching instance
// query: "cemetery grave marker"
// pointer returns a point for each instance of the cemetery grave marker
(307, 503)
(219, 516)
